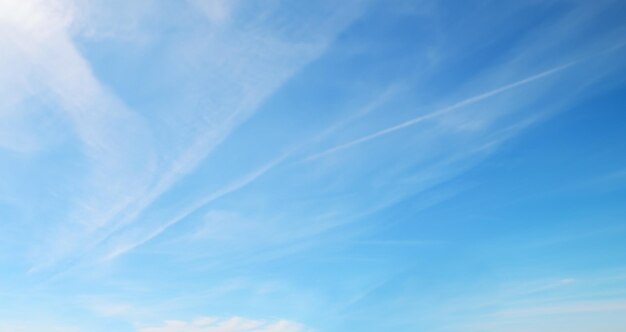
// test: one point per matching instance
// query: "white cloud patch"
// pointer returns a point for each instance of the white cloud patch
(130, 157)
(217, 11)
(42, 69)
(232, 324)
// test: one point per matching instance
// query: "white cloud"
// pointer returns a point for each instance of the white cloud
(130, 240)
(37, 327)
(128, 167)
(253, 61)
(41, 64)
(217, 11)
(232, 324)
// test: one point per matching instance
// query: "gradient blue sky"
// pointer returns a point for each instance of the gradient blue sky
(292, 166)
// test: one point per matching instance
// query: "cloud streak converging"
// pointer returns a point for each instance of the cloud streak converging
(290, 166)
(131, 166)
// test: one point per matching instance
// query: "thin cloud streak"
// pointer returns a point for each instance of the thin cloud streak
(115, 222)
(239, 184)
(438, 113)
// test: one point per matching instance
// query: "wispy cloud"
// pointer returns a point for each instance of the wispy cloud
(566, 308)
(232, 324)
(439, 113)
(114, 140)
(310, 160)
(144, 235)
(270, 72)
(217, 11)
(129, 169)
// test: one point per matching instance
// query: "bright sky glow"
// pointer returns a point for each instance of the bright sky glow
(301, 166)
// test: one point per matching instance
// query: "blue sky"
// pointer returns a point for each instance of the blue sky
(292, 166)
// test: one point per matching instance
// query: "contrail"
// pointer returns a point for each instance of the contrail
(421, 118)
(238, 184)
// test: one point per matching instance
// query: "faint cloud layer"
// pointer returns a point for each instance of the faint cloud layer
(233, 324)
(356, 164)
(217, 11)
